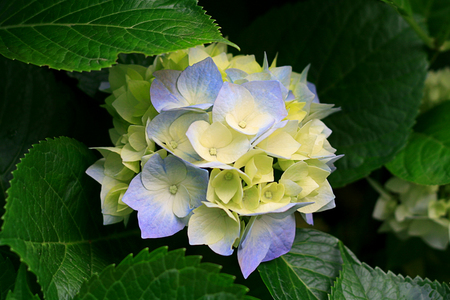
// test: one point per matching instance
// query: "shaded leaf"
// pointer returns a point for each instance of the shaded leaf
(7, 276)
(365, 59)
(53, 222)
(307, 271)
(402, 6)
(360, 281)
(428, 17)
(86, 35)
(33, 106)
(426, 157)
(21, 289)
(162, 275)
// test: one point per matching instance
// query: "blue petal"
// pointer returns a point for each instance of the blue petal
(163, 91)
(155, 215)
(153, 175)
(267, 94)
(312, 88)
(235, 74)
(200, 83)
(265, 238)
(161, 130)
(196, 183)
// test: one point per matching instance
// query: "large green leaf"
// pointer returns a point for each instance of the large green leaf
(162, 275)
(365, 59)
(33, 106)
(307, 271)
(88, 35)
(426, 157)
(7, 276)
(319, 266)
(21, 289)
(53, 222)
(360, 281)
(429, 18)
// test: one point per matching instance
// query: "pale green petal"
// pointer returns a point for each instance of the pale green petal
(128, 154)
(272, 192)
(125, 106)
(194, 133)
(140, 90)
(280, 144)
(402, 213)
(322, 199)
(226, 185)
(213, 226)
(251, 198)
(384, 208)
(96, 171)
(196, 55)
(238, 147)
(246, 63)
(136, 137)
(434, 234)
(216, 135)
(292, 189)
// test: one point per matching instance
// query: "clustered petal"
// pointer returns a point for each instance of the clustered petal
(200, 138)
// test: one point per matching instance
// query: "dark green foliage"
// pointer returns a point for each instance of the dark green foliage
(426, 157)
(162, 275)
(365, 59)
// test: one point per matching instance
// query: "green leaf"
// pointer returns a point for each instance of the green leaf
(88, 35)
(7, 276)
(426, 157)
(360, 281)
(53, 222)
(440, 290)
(402, 6)
(162, 275)
(307, 271)
(429, 18)
(311, 271)
(365, 59)
(21, 288)
(33, 106)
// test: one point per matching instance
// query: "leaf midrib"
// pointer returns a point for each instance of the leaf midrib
(70, 25)
(292, 271)
(86, 8)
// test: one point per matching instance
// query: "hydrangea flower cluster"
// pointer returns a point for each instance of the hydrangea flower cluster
(199, 137)
(410, 209)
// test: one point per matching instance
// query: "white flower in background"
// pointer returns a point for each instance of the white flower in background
(410, 209)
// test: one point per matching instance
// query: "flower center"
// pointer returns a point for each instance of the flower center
(228, 176)
(173, 144)
(173, 189)
(242, 124)
(268, 195)
(213, 151)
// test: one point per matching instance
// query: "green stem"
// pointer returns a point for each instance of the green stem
(422, 34)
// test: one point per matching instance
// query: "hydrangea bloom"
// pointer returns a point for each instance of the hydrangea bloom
(410, 209)
(227, 123)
